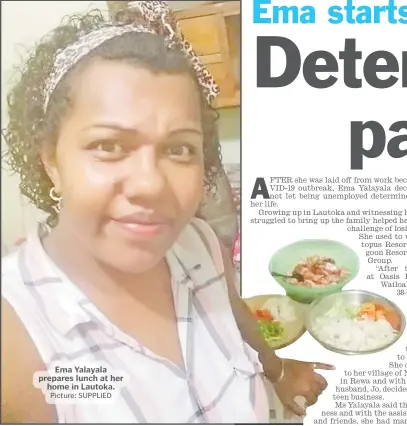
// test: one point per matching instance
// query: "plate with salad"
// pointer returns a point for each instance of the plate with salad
(281, 320)
(355, 322)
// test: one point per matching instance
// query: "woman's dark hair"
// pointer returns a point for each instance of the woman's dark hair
(29, 127)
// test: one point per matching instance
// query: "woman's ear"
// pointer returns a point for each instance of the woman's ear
(49, 161)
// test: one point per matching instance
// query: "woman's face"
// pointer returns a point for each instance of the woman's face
(129, 163)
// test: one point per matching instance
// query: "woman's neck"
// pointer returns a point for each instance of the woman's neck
(67, 252)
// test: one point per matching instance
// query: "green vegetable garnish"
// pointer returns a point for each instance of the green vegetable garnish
(271, 330)
(342, 310)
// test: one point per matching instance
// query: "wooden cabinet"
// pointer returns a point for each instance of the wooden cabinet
(116, 6)
(214, 31)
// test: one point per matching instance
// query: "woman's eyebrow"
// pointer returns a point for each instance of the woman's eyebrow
(193, 130)
(120, 128)
(117, 127)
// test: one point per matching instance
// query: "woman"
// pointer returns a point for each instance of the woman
(112, 134)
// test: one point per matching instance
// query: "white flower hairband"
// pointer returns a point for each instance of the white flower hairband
(159, 20)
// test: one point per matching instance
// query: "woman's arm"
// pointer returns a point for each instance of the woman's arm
(21, 402)
(291, 378)
(248, 325)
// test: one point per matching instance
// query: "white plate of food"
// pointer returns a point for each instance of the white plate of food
(281, 320)
(355, 322)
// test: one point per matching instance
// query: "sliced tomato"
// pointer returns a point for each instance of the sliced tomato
(368, 309)
(263, 314)
(394, 319)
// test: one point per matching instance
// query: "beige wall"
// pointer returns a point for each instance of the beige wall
(24, 22)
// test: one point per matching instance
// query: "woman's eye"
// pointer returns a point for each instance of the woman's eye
(110, 147)
(181, 152)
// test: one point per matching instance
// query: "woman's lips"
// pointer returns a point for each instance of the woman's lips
(142, 229)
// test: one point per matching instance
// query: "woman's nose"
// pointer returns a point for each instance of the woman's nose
(144, 178)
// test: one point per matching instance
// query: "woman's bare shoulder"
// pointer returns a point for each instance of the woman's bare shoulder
(21, 402)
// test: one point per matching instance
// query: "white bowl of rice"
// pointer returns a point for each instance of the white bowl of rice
(355, 322)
